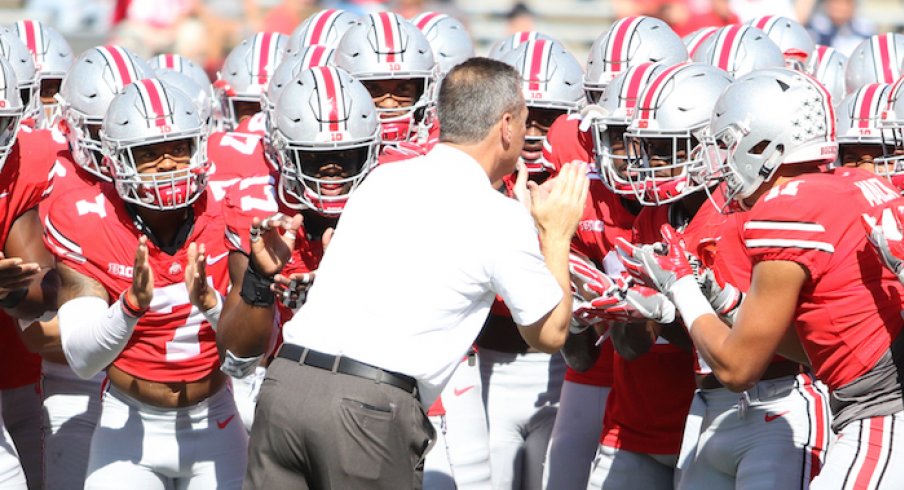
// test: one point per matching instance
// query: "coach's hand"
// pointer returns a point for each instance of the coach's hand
(558, 205)
(270, 249)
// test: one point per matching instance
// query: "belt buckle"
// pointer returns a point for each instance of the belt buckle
(304, 355)
(335, 368)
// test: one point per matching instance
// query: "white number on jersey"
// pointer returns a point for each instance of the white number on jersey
(265, 203)
(240, 142)
(98, 207)
(185, 343)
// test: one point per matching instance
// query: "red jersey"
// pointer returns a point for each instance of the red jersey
(234, 156)
(256, 125)
(25, 180)
(92, 232)
(605, 218)
(848, 310)
(67, 176)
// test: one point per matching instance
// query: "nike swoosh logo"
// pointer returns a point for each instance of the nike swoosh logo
(770, 417)
(223, 424)
(462, 391)
(214, 259)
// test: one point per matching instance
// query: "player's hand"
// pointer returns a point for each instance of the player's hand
(270, 249)
(591, 114)
(659, 265)
(725, 298)
(142, 290)
(887, 238)
(200, 293)
(558, 211)
(647, 303)
(292, 290)
(15, 274)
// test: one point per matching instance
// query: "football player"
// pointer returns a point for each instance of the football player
(130, 257)
(811, 270)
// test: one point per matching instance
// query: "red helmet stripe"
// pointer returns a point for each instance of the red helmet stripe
(885, 58)
(763, 23)
(424, 20)
(725, 51)
(867, 94)
(385, 28)
(535, 57)
(652, 90)
(121, 65)
(154, 100)
(698, 40)
(30, 36)
(263, 41)
(322, 22)
(330, 98)
(620, 42)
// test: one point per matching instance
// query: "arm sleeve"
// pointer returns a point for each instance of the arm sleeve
(93, 333)
(520, 275)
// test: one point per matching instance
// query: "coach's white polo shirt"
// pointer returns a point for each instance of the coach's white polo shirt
(421, 250)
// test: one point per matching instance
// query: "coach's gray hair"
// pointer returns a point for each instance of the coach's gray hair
(474, 96)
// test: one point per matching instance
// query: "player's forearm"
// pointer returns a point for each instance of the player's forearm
(40, 297)
(244, 329)
(730, 361)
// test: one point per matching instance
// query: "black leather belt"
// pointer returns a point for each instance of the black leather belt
(346, 365)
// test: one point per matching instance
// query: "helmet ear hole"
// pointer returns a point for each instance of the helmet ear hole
(759, 148)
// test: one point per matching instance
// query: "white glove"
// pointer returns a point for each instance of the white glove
(650, 304)
(590, 114)
(725, 298)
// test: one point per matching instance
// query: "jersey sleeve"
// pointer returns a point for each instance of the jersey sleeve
(251, 198)
(564, 143)
(790, 224)
(37, 159)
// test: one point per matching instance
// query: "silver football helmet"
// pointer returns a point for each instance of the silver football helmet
(876, 59)
(670, 119)
(765, 119)
(384, 46)
(149, 112)
(827, 65)
(180, 64)
(198, 94)
(891, 126)
(325, 28)
(503, 46)
(22, 62)
(791, 38)
(85, 94)
(619, 103)
(628, 42)
(739, 50)
(11, 109)
(289, 68)
(52, 57)
(859, 113)
(245, 75)
(693, 40)
(551, 83)
(326, 135)
(448, 38)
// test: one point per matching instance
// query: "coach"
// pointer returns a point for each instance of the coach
(422, 248)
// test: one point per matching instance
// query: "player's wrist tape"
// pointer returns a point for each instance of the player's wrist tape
(13, 298)
(256, 288)
(239, 367)
(130, 309)
(689, 300)
(213, 314)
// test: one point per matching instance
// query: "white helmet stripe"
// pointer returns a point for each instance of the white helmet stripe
(320, 26)
(428, 20)
(618, 43)
(32, 35)
(388, 36)
(536, 65)
(155, 101)
(654, 90)
(264, 55)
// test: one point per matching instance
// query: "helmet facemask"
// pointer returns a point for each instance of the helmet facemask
(659, 167)
(321, 177)
(164, 190)
(611, 157)
(415, 110)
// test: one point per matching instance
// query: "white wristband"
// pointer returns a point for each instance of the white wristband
(213, 315)
(689, 300)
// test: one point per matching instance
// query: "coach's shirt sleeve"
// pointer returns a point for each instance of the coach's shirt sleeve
(519, 272)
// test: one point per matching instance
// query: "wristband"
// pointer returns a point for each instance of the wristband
(689, 300)
(213, 314)
(13, 298)
(256, 288)
(129, 309)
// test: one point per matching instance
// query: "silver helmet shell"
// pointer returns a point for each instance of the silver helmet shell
(876, 59)
(324, 28)
(740, 49)
(448, 38)
(246, 74)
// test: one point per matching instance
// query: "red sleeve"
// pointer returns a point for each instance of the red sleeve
(565, 142)
(791, 223)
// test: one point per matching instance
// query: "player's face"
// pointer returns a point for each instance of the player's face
(49, 88)
(165, 156)
(660, 153)
(333, 166)
(860, 156)
(538, 123)
(393, 93)
(615, 142)
(244, 109)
